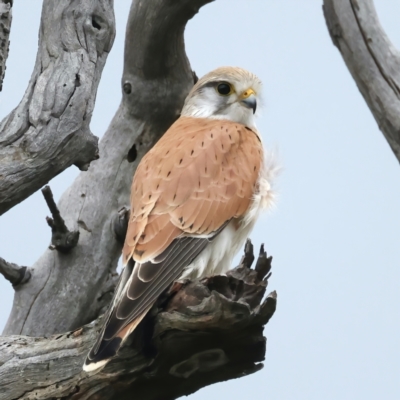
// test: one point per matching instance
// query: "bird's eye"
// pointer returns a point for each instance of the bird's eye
(224, 89)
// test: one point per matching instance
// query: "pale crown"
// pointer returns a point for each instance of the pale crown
(225, 93)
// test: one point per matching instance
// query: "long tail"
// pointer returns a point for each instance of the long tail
(104, 350)
(138, 288)
(115, 330)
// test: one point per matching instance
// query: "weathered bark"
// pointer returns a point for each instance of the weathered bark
(69, 290)
(208, 332)
(5, 27)
(372, 60)
(49, 130)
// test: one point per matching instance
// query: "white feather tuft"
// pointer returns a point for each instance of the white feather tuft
(265, 197)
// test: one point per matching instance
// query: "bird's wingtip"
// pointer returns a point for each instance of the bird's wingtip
(94, 366)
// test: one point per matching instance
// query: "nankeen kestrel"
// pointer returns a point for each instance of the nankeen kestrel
(195, 198)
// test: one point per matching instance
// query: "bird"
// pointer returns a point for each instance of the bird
(195, 198)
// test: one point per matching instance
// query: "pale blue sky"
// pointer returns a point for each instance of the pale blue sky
(335, 232)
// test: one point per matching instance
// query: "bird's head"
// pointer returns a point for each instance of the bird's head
(225, 93)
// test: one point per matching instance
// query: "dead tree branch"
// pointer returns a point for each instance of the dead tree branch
(69, 290)
(5, 28)
(62, 239)
(49, 130)
(208, 332)
(14, 273)
(372, 60)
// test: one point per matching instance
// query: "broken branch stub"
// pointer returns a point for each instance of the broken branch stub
(62, 239)
(15, 274)
(49, 130)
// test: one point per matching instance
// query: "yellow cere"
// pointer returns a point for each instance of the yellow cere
(247, 93)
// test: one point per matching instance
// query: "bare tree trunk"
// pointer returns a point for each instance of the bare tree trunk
(372, 60)
(208, 332)
(49, 129)
(5, 27)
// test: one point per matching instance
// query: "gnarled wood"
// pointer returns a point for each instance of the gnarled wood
(67, 291)
(207, 332)
(372, 60)
(49, 130)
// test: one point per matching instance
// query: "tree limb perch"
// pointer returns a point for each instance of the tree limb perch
(207, 332)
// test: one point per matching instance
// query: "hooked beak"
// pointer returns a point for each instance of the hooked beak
(248, 99)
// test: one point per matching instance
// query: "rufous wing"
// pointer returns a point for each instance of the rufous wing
(200, 175)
